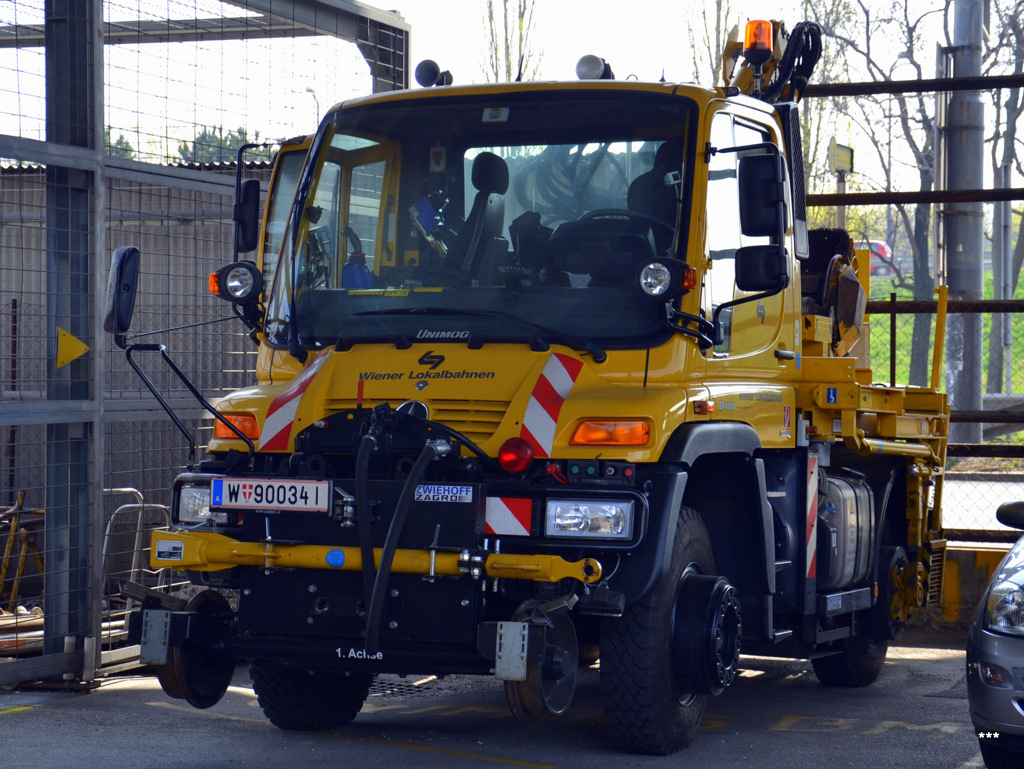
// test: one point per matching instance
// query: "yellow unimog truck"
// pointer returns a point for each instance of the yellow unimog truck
(548, 373)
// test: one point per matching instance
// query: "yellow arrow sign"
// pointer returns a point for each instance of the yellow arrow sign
(69, 348)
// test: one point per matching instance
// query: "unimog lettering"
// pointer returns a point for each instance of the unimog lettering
(427, 334)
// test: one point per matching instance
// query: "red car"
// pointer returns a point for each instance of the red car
(881, 256)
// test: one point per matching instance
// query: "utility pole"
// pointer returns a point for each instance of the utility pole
(840, 162)
(965, 221)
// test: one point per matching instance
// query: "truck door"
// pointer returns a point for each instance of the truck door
(746, 376)
(751, 327)
(350, 205)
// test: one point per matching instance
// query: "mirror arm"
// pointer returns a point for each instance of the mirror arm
(128, 350)
(239, 167)
(703, 333)
(206, 404)
(710, 150)
(162, 349)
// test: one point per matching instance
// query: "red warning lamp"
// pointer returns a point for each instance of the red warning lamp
(757, 42)
(515, 455)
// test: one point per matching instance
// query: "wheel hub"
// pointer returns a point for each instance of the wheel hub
(706, 630)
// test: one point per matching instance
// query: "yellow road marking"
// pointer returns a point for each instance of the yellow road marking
(17, 709)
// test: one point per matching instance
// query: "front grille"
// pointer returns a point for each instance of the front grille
(478, 420)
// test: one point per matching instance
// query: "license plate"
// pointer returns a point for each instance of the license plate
(266, 494)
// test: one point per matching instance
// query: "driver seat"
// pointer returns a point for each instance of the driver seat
(486, 217)
(651, 194)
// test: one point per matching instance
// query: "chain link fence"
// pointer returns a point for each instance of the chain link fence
(121, 126)
(985, 466)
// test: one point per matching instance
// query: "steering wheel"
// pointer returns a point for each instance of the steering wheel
(625, 213)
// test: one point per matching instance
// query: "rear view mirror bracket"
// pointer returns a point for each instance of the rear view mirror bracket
(122, 286)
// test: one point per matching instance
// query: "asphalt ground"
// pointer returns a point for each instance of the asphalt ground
(776, 714)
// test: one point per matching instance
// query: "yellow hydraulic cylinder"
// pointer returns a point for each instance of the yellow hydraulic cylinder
(207, 551)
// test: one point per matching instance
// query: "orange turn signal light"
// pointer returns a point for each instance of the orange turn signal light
(688, 278)
(215, 283)
(618, 432)
(246, 424)
(703, 407)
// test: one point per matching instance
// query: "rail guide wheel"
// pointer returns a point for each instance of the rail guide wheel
(199, 674)
(550, 681)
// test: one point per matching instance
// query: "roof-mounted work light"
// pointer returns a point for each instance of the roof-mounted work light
(592, 67)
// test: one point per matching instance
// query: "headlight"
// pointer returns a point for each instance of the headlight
(589, 518)
(194, 506)
(655, 279)
(1004, 609)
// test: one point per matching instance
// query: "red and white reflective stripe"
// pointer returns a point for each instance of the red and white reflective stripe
(812, 516)
(553, 386)
(277, 429)
(508, 516)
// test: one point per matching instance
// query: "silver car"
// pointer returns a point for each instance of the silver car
(995, 656)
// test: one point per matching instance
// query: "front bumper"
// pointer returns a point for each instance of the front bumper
(208, 551)
(996, 708)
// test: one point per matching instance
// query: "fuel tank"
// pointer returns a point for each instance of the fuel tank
(846, 515)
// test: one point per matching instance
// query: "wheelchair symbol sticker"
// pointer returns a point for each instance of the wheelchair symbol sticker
(831, 395)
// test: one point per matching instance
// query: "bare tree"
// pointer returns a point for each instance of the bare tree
(709, 24)
(1004, 53)
(886, 43)
(824, 119)
(511, 55)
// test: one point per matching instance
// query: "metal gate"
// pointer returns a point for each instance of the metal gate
(74, 420)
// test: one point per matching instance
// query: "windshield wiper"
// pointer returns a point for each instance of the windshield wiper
(577, 343)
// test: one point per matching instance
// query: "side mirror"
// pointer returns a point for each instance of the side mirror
(762, 196)
(247, 216)
(121, 287)
(761, 268)
(1011, 514)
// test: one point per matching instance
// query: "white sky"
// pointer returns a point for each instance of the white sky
(638, 37)
(157, 94)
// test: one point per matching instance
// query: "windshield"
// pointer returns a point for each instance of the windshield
(286, 179)
(517, 217)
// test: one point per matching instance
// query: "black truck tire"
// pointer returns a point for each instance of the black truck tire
(858, 664)
(644, 711)
(310, 701)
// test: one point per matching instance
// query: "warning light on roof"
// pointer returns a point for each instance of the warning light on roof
(757, 42)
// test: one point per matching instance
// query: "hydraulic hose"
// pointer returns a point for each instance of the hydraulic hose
(431, 450)
(802, 53)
